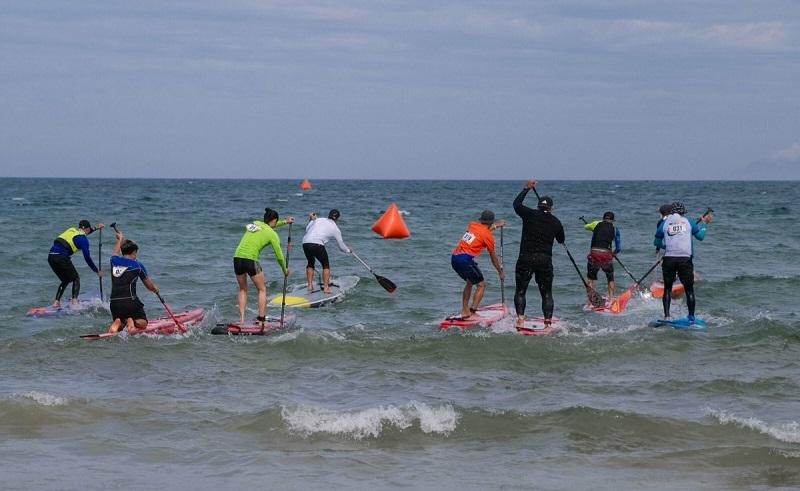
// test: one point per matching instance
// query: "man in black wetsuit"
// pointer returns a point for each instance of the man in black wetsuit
(539, 229)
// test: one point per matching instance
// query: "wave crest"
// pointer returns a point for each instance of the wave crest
(371, 422)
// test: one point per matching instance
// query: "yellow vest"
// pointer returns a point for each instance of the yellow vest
(68, 235)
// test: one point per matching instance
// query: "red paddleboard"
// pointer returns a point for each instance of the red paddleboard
(657, 287)
(255, 328)
(161, 325)
(485, 316)
(535, 327)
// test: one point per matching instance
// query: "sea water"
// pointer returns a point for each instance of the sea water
(368, 393)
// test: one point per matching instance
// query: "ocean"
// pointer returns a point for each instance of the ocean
(368, 393)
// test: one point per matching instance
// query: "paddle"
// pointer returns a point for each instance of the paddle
(286, 276)
(169, 311)
(386, 283)
(100, 259)
(594, 298)
(502, 281)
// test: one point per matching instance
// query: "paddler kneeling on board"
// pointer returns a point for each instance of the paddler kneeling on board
(126, 308)
(257, 236)
(600, 254)
(477, 237)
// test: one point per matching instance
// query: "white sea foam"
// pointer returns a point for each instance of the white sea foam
(787, 432)
(43, 398)
(370, 422)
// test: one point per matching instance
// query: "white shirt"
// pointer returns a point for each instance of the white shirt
(321, 230)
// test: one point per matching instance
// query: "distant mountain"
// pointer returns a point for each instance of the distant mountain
(775, 168)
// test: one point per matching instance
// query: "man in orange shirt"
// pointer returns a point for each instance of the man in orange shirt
(477, 237)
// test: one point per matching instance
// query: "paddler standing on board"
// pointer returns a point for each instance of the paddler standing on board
(68, 243)
(539, 229)
(127, 311)
(674, 235)
(600, 256)
(477, 237)
(257, 236)
(318, 232)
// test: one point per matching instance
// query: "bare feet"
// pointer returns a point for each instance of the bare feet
(520, 323)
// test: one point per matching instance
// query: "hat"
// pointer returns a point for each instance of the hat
(487, 217)
(334, 214)
(545, 202)
(609, 215)
(677, 207)
(665, 209)
(84, 224)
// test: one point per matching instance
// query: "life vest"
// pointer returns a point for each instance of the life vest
(67, 238)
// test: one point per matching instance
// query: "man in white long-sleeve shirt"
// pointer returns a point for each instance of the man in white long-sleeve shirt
(318, 232)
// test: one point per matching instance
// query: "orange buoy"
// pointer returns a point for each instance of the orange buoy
(305, 186)
(391, 225)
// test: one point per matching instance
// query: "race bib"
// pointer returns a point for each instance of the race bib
(468, 237)
(252, 227)
(676, 228)
(119, 271)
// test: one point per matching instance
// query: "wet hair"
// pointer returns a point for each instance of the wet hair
(334, 214)
(269, 215)
(128, 247)
(677, 207)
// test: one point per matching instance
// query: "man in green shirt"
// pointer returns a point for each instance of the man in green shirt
(257, 236)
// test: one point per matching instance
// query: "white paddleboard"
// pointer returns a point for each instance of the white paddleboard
(299, 296)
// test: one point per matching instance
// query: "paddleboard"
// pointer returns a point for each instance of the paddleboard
(657, 287)
(67, 308)
(535, 327)
(681, 323)
(255, 328)
(299, 296)
(486, 316)
(161, 325)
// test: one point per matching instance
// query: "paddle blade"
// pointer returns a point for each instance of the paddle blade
(94, 337)
(386, 283)
(621, 302)
(595, 298)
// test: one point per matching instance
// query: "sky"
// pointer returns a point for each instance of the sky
(385, 89)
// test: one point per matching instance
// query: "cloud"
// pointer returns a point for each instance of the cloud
(792, 153)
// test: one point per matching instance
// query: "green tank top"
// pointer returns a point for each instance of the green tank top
(257, 236)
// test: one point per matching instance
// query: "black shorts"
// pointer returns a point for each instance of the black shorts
(682, 266)
(63, 268)
(246, 266)
(318, 252)
(125, 308)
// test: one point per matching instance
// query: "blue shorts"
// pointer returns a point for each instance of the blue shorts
(467, 268)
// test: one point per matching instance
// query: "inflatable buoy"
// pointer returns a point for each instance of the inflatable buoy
(305, 186)
(391, 225)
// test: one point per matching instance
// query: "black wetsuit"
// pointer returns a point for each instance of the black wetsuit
(539, 230)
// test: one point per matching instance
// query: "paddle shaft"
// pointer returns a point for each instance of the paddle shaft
(100, 259)
(386, 283)
(286, 276)
(502, 268)
(169, 311)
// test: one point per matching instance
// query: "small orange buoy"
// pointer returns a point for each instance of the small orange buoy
(391, 225)
(305, 186)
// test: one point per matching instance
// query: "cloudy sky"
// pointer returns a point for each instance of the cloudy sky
(492, 89)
